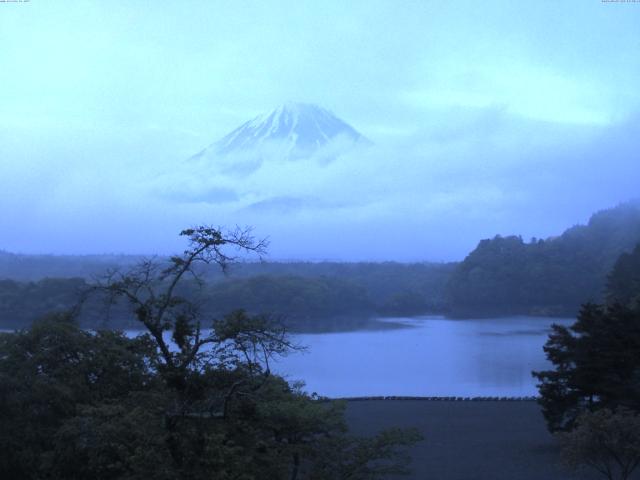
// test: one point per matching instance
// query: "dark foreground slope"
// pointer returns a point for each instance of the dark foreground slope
(470, 440)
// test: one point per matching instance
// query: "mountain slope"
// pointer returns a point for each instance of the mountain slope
(292, 131)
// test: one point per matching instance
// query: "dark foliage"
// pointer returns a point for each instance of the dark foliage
(506, 275)
(596, 365)
(596, 360)
(76, 404)
(314, 297)
(49, 375)
(605, 441)
(623, 284)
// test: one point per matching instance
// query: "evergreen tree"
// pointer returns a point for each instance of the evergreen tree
(596, 365)
(623, 283)
(76, 404)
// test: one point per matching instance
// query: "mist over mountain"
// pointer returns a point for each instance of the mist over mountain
(292, 131)
(507, 135)
(218, 218)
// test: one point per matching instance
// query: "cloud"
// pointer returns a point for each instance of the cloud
(522, 89)
(216, 195)
(487, 118)
(287, 204)
(283, 204)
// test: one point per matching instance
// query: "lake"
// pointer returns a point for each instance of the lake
(431, 356)
(424, 356)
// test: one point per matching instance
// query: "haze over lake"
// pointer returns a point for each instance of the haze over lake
(433, 356)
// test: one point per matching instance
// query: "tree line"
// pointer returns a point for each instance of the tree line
(191, 397)
(552, 277)
(591, 396)
(501, 276)
(305, 302)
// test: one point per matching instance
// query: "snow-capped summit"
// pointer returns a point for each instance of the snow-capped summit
(293, 130)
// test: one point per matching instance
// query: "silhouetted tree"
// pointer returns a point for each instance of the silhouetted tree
(190, 398)
(605, 441)
(596, 365)
(623, 283)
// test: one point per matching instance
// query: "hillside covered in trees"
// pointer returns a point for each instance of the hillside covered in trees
(502, 276)
(506, 275)
(307, 297)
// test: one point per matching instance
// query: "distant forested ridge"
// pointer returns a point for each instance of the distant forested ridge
(306, 296)
(506, 275)
(502, 276)
(37, 267)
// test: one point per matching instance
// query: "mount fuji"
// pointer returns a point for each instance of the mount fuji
(290, 132)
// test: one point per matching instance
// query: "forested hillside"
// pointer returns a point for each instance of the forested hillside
(502, 276)
(623, 283)
(506, 275)
(306, 296)
(37, 267)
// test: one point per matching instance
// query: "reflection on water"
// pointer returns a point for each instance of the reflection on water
(436, 357)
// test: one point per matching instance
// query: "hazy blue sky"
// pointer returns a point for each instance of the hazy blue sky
(488, 117)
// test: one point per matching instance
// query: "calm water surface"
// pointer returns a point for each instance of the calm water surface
(429, 356)
(433, 356)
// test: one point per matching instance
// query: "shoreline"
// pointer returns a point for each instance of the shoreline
(433, 399)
